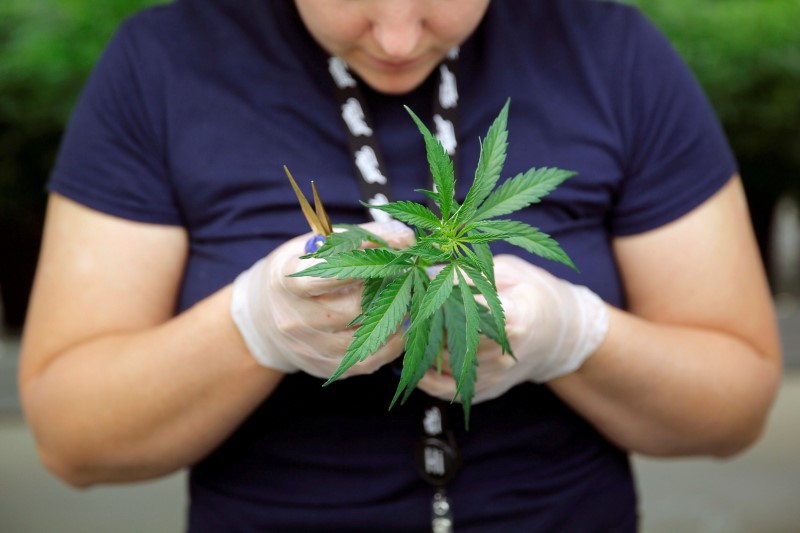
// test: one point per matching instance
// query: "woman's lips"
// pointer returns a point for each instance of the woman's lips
(395, 66)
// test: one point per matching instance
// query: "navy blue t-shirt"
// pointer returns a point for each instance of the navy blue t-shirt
(188, 120)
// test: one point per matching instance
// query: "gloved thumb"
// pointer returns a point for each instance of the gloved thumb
(395, 233)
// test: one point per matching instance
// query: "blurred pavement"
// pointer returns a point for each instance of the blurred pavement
(757, 492)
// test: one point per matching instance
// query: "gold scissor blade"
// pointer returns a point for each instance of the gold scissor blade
(322, 215)
(308, 212)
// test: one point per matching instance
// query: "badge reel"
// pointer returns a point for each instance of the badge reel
(438, 461)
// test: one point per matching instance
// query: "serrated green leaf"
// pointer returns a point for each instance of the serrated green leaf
(433, 196)
(411, 213)
(428, 244)
(395, 281)
(485, 237)
(520, 191)
(337, 243)
(372, 287)
(344, 241)
(455, 328)
(365, 235)
(462, 342)
(380, 320)
(471, 258)
(424, 249)
(441, 166)
(416, 337)
(490, 165)
(433, 351)
(469, 229)
(487, 323)
(471, 324)
(531, 239)
(467, 375)
(489, 292)
(483, 255)
(369, 263)
(438, 291)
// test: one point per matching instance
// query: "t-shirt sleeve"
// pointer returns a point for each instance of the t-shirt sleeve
(112, 156)
(677, 153)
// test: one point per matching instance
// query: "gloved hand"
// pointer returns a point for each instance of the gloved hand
(292, 324)
(553, 327)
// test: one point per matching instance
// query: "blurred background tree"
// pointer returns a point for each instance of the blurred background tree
(746, 55)
(47, 49)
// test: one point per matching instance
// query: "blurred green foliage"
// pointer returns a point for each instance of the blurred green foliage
(47, 49)
(746, 55)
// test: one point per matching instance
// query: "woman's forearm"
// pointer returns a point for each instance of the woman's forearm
(138, 405)
(670, 390)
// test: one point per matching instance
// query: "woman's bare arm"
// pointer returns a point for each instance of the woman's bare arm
(693, 367)
(114, 387)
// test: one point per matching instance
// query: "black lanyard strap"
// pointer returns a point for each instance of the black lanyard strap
(365, 153)
(437, 456)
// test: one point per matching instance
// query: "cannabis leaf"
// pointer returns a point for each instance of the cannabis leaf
(442, 311)
(379, 321)
(345, 241)
(369, 263)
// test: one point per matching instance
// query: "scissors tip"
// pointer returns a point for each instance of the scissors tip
(317, 218)
(322, 215)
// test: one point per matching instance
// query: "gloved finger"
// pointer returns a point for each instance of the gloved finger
(489, 385)
(311, 320)
(307, 286)
(441, 386)
(512, 308)
(333, 311)
(488, 349)
(525, 304)
(522, 288)
(511, 270)
(396, 234)
(322, 353)
(495, 365)
(322, 362)
(387, 353)
(488, 352)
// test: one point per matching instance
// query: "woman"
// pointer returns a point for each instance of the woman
(170, 184)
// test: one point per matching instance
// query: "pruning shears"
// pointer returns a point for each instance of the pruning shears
(317, 217)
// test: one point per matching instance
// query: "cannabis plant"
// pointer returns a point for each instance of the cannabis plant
(440, 313)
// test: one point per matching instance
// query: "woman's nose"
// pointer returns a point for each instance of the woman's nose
(398, 28)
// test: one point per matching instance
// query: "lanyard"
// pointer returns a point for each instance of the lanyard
(437, 457)
(366, 156)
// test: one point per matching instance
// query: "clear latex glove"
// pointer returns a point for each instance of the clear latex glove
(300, 324)
(553, 327)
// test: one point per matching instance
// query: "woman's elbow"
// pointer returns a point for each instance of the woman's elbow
(68, 471)
(739, 442)
(748, 421)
